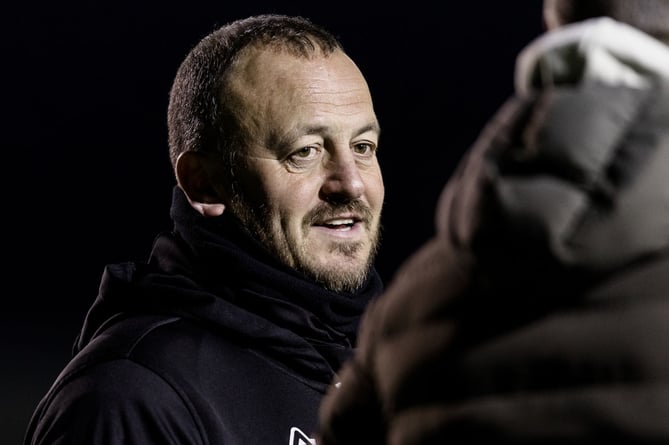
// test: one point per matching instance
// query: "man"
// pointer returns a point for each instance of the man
(233, 329)
(539, 311)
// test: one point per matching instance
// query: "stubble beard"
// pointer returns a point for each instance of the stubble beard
(336, 277)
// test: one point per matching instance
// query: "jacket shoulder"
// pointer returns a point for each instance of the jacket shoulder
(104, 395)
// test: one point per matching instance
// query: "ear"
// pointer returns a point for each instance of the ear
(196, 175)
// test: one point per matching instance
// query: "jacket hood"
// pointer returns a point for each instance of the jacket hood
(596, 50)
(576, 159)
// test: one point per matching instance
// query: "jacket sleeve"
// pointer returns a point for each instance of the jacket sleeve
(539, 311)
(113, 403)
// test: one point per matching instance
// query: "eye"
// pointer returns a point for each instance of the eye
(303, 153)
(364, 148)
(303, 157)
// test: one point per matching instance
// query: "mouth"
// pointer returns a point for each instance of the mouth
(340, 224)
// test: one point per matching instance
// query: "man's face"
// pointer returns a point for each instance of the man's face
(311, 186)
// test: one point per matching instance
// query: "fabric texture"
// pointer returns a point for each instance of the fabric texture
(539, 311)
(212, 341)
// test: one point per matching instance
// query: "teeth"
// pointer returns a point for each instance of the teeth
(339, 222)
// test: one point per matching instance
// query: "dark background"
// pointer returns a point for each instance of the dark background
(86, 176)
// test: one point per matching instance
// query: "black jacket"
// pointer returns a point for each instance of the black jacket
(210, 342)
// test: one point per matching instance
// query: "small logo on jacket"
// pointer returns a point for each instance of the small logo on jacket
(297, 437)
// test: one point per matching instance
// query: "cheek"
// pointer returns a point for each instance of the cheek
(268, 186)
(375, 189)
(291, 197)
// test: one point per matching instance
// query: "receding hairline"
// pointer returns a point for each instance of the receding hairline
(195, 99)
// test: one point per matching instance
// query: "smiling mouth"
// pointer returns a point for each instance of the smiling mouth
(352, 217)
(340, 224)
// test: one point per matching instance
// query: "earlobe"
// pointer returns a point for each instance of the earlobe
(194, 176)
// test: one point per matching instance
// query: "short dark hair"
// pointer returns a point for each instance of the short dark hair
(198, 117)
(649, 16)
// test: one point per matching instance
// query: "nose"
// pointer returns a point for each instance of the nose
(343, 182)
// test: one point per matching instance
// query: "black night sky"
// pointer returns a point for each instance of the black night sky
(86, 177)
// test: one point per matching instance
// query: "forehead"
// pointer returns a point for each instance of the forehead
(270, 84)
(258, 63)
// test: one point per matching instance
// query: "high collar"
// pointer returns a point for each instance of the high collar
(226, 256)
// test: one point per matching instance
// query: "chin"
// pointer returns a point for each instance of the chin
(335, 271)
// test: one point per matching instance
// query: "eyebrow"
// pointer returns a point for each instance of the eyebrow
(286, 139)
(372, 126)
(318, 129)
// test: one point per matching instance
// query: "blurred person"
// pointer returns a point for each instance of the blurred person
(232, 330)
(538, 313)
